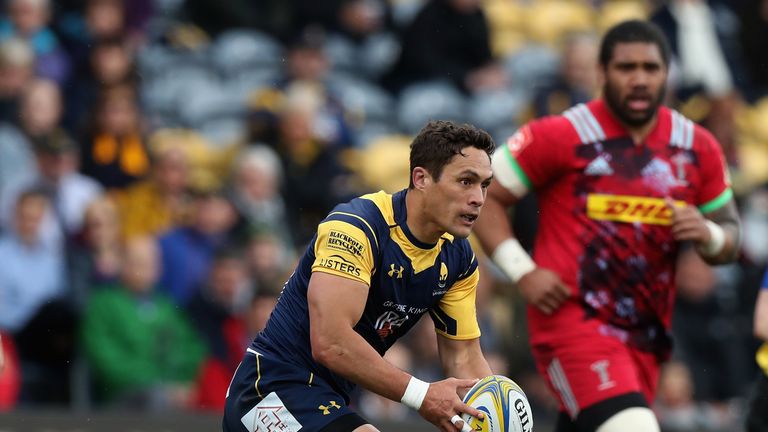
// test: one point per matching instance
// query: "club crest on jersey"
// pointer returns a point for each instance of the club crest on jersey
(387, 322)
(630, 209)
(519, 141)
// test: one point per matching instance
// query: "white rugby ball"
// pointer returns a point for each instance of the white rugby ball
(504, 404)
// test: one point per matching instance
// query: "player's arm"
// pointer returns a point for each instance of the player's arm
(540, 287)
(462, 358)
(335, 306)
(716, 234)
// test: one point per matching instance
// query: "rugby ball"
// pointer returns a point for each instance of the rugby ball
(504, 403)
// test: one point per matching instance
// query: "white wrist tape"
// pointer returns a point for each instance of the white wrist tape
(513, 259)
(414, 393)
(716, 240)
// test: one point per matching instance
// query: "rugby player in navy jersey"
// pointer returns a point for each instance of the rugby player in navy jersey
(376, 265)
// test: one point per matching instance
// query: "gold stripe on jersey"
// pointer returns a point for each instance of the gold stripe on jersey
(456, 317)
(344, 250)
(373, 233)
(383, 201)
(630, 209)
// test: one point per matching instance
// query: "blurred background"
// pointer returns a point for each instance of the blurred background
(163, 163)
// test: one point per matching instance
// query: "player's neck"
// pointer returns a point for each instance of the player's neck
(417, 219)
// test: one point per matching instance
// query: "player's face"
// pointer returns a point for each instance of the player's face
(634, 82)
(454, 201)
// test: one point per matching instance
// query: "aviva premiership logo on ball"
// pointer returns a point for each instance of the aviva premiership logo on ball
(504, 403)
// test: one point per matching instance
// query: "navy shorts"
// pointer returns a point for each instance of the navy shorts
(267, 394)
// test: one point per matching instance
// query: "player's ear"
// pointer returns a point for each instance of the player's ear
(421, 178)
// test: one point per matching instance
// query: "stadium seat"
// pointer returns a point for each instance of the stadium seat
(236, 49)
(426, 101)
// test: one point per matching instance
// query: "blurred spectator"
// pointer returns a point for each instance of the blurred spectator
(757, 409)
(255, 190)
(32, 302)
(753, 15)
(187, 252)
(90, 23)
(114, 151)
(705, 328)
(676, 408)
(577, 81)
(376, 407)
(17, 61)
(160, 202)
(143, 352)
(29, 20)
(39, 114)
(448, 39)
(216, 311)
(258, 313)
(110, 63)
(306, 66)
(704, 39)
(315, 179)
(269, 260)
(69, 191)
(216, 18)
(94, 259)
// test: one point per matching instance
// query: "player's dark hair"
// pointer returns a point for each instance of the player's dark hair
(439, 141)
(633, 31)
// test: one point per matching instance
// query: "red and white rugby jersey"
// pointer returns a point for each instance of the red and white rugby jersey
(604, 226)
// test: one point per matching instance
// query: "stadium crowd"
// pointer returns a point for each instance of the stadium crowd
(164, 162)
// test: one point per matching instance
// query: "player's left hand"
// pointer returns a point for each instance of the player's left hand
(688, 224)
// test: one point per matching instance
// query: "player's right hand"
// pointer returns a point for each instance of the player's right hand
(442, 402)
(543, 289)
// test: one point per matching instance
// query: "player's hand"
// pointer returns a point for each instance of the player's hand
(688, 224)
(442, 402)
(543, 289)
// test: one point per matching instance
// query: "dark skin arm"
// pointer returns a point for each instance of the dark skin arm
(689, 224)
(540, 287)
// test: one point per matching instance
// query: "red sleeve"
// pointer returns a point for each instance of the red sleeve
(715, 190)
(540, 149)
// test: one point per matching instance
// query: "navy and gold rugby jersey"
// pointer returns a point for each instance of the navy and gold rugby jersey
(367, 240)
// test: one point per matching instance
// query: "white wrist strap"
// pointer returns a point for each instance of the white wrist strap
(716, 240)
(512, 259)
(414, 393)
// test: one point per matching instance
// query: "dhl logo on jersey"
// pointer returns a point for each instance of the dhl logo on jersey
(627, 208)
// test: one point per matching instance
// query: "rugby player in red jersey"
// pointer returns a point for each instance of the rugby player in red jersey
(621, 182)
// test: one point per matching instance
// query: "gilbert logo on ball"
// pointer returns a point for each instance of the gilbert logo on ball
(504, 403)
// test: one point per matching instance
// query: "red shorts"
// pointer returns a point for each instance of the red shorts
(583, 364)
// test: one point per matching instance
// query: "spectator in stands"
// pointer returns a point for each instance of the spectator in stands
(69, 191)
(17, 61)
(114, 152)
(753, 37)
(448, 40)
(94, 259)
(160, 202)
(307, 64)
(143, 352)
(110, 63)
(315, 180)
(710, 62)
(29, 20)
(270, 261)
(188, 251)
(217, 313)
(39, 114)
(255, 191)
(33, 307)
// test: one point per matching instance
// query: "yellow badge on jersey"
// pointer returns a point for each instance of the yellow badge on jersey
(343, 250)
(630, 209)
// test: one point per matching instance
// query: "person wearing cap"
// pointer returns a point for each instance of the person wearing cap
(56, 173)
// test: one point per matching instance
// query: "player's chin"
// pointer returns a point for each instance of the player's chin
(462, 229)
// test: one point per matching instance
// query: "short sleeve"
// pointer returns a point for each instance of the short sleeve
(715, 190)
(343, 249)
(455, 317)
(529, 159)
